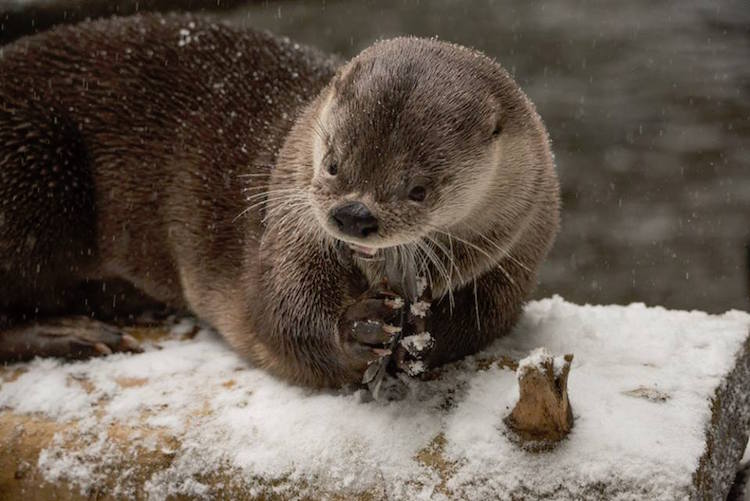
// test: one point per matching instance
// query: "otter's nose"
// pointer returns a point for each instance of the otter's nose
(355, 219)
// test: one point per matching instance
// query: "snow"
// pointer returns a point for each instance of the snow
(639, 386)
(416, 367)
(534, 360)
(417, 343)
(420, 308)
(396, 303)
(537, 360)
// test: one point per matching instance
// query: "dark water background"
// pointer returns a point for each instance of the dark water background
(648, 107)
(647, 104)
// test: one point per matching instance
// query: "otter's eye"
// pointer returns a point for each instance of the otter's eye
(417, 193)
(333, 167)
(498, 130)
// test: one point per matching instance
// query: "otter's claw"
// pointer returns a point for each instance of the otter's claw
(373, 332)
(367, 328)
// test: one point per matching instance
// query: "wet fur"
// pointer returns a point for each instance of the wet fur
(127, 155)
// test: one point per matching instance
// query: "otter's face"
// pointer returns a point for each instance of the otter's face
(407, 143)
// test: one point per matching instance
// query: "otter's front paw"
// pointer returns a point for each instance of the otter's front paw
(367, 328)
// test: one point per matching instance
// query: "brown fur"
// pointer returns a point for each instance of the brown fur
(128, 149)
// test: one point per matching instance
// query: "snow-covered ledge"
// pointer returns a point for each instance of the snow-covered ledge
(659, 399)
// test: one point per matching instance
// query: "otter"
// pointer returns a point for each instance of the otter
(265, 187)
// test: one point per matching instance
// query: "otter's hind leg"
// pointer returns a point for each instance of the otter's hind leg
(73, 337)
(47, 236)
(90, 325)
(47, 202)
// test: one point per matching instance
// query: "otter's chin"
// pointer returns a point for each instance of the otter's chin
(363, 252)
(359, 250)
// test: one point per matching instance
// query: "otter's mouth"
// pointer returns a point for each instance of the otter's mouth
(362, 252)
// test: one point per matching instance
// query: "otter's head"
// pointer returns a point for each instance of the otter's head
(408, 141)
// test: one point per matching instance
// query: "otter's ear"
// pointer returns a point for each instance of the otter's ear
(345, 75)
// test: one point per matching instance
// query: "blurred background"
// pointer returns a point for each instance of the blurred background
(647, 104)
